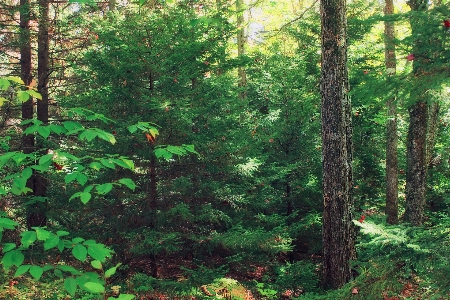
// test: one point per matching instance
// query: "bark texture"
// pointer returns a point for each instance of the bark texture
(391, 125)
(338, 231)
(416, 156)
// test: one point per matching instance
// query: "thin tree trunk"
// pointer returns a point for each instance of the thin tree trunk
(391, 125)
(433, 117)
(416, 173)
(241, 41)
(338, 230)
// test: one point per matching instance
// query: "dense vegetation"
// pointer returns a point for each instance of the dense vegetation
(172, 150)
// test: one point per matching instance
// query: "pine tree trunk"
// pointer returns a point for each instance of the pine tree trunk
(416, 172)
(337, 231)
(391, 125)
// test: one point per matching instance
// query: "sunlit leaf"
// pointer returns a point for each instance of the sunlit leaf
(70, 285)
(36, 272)
(94, 287)
(128, 183)
(21, 270)
(23, 96)
(79, 252)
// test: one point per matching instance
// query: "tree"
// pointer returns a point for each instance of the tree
(337, 230)
(416, 172)
(391, 124)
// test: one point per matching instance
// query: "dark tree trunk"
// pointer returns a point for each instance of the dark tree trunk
(416, 172)
(337, 231)
(391, 125)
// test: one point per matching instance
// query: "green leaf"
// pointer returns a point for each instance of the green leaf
(15, 79)
(70, 285)
(61, 245)
(8, 247)
(128, 182)
(85, 197)
(22, 270)
(12, 258)
(104, 188)
(94, 287)
(108, 163)
(123, 297)
(77, 240)
(88, 134)
(26, 173)
(132, 128)
(124, 163)
(161, 152)
(107, 136)
(72, 126)
(44, 131)
(111, 271)
(34, 94)
(36, 272)
(58, 129)
(42, 234)
(99, 252)
(79, 252)
(70, 177)
(4, 84)
(8, 223)
(97, 264)
(3, 100)
(58, 273)
(28, 238)
(51, 242)
(45, 158)
(96, 165)
(190, 148)
(81, 178)
(69, 269)
(62, 233)
(23, 96)
(77, 194)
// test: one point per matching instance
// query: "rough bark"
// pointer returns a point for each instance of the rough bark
(337, 231)
(391, 125)
(416, 173)
(25, 69)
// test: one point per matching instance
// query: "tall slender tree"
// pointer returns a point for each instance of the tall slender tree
(416, 172)
(337, 231)
(391, 124)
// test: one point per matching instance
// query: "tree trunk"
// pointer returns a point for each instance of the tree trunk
(25, 69)
(241, 41)
(417, 132)
(391, 125)
(337, 231)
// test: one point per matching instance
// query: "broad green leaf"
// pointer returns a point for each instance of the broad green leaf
(58, 129)
(21, 270)
(8, 223)
(94, 287)
(69, 269)
(70, 177)
(72, 126)
(124, 163)
(4, 84)
(8, 247)
(42, 234)
(97, 264)
(26, 173)
(12, 258)
(61, 245)
(88, 135)
(15, 79)
(128, 182)
(123, 297)
(3, 100)
(104, 188)
(176, 150)
(28, 238)
(70, 285)
(77, 240)
(96, 165)
(99, 252)
(81, 178)
(34, 94)
(79, 252)
(85, 197)
(23, 96)
(45, 158)
(111, 271)
(6, 157)
(32, 129)
(36, 272)
(189, 148)
(62, 233)
(107, 163)
(51, 242)
(161, 152)
(107, 136)
(132, 128)
(77, 194)
(58, 273)
(44, 131)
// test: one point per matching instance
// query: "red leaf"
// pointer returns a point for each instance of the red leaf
(363, 217)
(410, 57)
(446, 23)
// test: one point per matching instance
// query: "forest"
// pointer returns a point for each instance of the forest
(218, 149)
